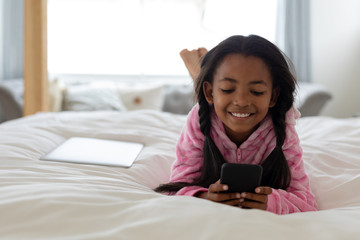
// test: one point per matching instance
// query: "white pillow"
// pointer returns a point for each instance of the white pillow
(56, 93)
(89, 97)
(142, 96)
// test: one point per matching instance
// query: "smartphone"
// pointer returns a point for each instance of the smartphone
(241, 177)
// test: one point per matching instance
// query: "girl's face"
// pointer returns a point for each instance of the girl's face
(242, 93)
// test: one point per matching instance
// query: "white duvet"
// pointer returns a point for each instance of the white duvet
(53, 200)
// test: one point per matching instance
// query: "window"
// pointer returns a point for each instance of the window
(144, 37)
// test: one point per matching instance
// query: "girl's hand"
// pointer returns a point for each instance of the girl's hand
(217, 193)
(256, 200)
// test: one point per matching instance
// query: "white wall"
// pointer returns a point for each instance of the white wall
(335, 45)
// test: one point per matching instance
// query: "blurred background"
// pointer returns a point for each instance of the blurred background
(140, 40)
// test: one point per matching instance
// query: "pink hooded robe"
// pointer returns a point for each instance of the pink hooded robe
(189, 151)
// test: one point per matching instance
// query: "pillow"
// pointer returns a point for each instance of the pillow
(179, 99)
(142, 96)
(89, 97)
(56, 93)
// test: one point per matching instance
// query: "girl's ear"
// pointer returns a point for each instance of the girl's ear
(207, 89)
(274, 96)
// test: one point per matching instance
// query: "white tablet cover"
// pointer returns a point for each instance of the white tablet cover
(95, 151)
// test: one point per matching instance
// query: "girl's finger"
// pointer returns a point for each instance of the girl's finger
(263, 190)
(233, 202)
(251, 204)
(223, 197)
(218, 187)
(255, 197)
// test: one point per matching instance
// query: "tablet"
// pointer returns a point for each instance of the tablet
(95, 151)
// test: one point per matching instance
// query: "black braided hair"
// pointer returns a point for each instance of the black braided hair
(276, 172)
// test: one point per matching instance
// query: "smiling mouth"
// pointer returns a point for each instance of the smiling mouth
(240, 115)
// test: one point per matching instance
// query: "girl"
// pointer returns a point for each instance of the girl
(244, 115)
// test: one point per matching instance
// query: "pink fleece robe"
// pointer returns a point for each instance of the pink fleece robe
(189, 151)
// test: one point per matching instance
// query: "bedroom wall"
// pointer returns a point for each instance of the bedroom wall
(335, 40)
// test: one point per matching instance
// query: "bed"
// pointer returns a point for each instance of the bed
(53, 200)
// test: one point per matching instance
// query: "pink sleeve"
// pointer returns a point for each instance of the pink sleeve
(189, 155)
(298, 196)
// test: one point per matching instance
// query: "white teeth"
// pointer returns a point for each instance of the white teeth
(241, 115)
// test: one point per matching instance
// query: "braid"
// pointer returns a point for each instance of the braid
(213, 159)
(204, 115)
(276, 170)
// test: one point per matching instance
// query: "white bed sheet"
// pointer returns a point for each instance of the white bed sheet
(53, 200)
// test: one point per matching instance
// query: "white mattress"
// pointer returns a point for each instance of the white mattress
(53, 200)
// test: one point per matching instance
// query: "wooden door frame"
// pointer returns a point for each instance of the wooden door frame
(36, 93)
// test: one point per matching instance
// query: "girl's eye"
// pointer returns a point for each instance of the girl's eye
(256, 93)
(227, 90)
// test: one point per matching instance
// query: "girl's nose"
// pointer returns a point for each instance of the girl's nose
(241, 99)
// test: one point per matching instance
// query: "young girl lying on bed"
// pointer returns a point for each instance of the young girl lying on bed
(244, 114)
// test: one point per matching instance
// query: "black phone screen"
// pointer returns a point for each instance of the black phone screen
(241, 177)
